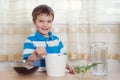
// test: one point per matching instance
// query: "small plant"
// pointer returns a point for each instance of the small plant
(82, 71)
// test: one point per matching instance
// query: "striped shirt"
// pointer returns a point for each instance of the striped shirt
(52, 44)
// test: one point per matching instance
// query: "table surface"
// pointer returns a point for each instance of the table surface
(43, 76)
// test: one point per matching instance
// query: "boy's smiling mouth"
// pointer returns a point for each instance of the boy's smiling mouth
(45, 29)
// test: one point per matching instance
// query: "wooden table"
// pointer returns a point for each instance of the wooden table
(43, 76)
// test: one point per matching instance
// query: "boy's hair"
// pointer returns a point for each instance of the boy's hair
(42, 9)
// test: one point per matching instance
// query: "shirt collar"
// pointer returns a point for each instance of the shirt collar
(41, 37)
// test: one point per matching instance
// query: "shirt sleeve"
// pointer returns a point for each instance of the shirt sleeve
(28, 48)
(63, 50)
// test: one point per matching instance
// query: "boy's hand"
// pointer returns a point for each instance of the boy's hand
(70, 68)
(40, 51)
(32, 57)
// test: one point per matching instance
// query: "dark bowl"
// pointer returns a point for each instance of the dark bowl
(24, 68)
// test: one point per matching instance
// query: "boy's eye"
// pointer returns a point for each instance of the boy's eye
(49, 21)
(40, 21)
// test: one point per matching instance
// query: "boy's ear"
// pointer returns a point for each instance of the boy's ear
(33, 21)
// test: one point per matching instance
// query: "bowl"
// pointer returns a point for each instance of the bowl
(24, 68)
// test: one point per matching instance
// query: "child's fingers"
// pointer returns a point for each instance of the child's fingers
(31, 58)
(41, 51)
(71, 70)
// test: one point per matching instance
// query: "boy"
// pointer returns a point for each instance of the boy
(43, 42)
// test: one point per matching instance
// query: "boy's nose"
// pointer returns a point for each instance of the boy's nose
(45, 24)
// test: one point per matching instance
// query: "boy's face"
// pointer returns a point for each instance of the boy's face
(43, 24)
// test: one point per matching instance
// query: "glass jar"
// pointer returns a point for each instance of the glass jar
(98, 54)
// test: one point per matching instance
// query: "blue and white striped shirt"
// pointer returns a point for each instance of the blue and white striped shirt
(52, 44)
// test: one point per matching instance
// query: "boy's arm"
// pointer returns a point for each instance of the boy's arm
(38, 52)
(28, 49)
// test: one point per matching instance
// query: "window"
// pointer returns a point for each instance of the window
(108, 11)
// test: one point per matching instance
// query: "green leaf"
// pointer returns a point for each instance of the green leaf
(77, 69)
(93, 64)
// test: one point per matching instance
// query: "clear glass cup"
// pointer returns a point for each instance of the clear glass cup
(98, 54)
(42, 67)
